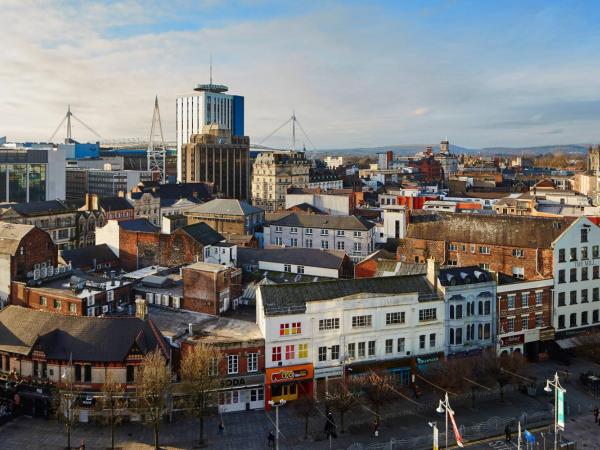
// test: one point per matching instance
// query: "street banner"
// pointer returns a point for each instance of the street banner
(436, 445)
(519, 436)
(560, 409)
(459, 441)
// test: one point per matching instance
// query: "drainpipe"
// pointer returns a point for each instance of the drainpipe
(536, 262)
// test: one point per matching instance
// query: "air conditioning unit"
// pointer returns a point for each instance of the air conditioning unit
(37, 274)
(104, 309)
(43, 272)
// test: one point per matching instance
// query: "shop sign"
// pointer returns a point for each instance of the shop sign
(547, 334)
(241, 381)
(328, 372)
(512, 340)
(427, 360)
(291, 373)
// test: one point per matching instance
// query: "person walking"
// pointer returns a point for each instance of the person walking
(507, 433)
(596, 412)
(376, 427)
(271, 439)
(221, 428)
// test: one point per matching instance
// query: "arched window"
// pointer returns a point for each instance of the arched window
(451, 336)
(480, 330)
(452, 311)
(480, 308)
(459, 312)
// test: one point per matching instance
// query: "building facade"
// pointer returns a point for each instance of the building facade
(227, 216)
(210, 288)
(273, 173)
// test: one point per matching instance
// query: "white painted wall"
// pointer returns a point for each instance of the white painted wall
(109, 235)
(308, 270)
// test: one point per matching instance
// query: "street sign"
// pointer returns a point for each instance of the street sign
(560, 409)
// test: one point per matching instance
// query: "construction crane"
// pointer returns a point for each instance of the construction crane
(67, 118)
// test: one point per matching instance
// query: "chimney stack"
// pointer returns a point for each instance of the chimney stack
(433, 271)
(191, 329)
(141, 308)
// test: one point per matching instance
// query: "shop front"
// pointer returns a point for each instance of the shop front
(288, 383)
(512, 344)
(241, 393)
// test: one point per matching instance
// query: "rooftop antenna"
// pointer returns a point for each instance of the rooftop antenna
(156, 153)
(211, 69)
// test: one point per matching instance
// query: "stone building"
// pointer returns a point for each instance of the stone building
(227, 216)
(273, 173)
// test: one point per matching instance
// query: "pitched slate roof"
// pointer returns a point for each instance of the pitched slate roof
(292, 298)
(503, 230)
(324, 221)
(311, 257)
(40, 208)
(202, 233)
(114, 204)
(452, 276)
(86, 338)
(226, 206)
(86, 256)
(141, 225)
(11, 235)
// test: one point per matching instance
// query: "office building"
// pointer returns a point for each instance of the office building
(208, 105)
(31, 173)
(219, 157)
(102, 182)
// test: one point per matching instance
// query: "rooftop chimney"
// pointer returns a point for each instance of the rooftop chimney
(191, 329)
(433, 270)
(141, 308)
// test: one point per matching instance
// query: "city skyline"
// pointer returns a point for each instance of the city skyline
(357, 76)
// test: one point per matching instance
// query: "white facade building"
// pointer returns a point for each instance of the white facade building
(576, 269)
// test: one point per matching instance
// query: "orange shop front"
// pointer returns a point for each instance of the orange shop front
(288, 383)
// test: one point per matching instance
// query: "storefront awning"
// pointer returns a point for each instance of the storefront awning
(567, 343)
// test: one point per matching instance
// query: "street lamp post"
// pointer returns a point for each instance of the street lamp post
(276, 406)
(444, 406)
(433, 425)
(555, 383)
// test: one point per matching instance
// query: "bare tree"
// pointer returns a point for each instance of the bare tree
(341, 398)
(153, 382)
(452, 372)
(504, 369)
(305, 407)
(200, 376)
(379, 388)
(588, 346)
(111, 405)
(65, 401)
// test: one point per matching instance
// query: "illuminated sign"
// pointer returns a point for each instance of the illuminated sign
(288, 374)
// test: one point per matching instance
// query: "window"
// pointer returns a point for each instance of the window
(524, 322)
(596, 294)
(584, 274)
(432, 340)
(484, 250)
(371, 348)
(287, 267)
(472, 248)
(278, 241)
(524, 299)
(584, 253)
(510, 325)
(400, 345)
(341, 245)
(389, 346)
(394, 318)
(357, 233)
(284, 329)
(361, 321)
(480, 331)
(257, 395)
(329, 324)
(480, 308)
(573, 275)
(518, 253)
(518, 272)
(459, 311)
(573, 297)
(452, 247)
(302, 350)
(561, 299)
(452, 341)
(252, 365)
(511, 301)
(290, 351)
(539, 320)
(293, 230)
(584, 234)
(573, 254)
(561, 321)
(294, 242)
(584, 296)
(452, 311)
(538, 298)
(232, 364)
(561, 255)
(276, 354)
(361, 349)
(561, 276)
(72, 307)
(488, 307)
(322, 353)
(325, 245)
(87, 374)
(584, 318)
(300, 269)
(422, 341)
(57, 303)
(309, 243)
(573, 320)
(595, 251)
(357, 247)
(308, 231)
(277, 229)
(324, 232)
(340, 233)
(352, 350)
(595, 272)
(43, 301)
(335, 352)
(130, 375)
(427, 314)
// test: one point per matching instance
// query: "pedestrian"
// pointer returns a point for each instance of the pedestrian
(596, 412)
(507, 433)
(376, 427)
(271, 439)
(221, 427)
(82, 446)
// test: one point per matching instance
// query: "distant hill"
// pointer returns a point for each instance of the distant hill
(411, 149)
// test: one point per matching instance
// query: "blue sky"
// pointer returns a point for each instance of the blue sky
(482, 73)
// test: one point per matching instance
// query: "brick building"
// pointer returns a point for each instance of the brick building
(23, 248)
(517, 246)
(73, 293)
(210, 288)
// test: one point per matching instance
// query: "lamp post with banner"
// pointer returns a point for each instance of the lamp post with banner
(559, 405)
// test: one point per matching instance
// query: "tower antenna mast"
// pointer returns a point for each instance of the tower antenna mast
(157, 150)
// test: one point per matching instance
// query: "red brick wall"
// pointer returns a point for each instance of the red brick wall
(200, 291)
(235, 348)
(138, 250)
(365, 269)
(504, 312)
(37, 248)
(179, 248)
(536, 263)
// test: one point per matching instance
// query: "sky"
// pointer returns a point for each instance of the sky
(357, 74)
